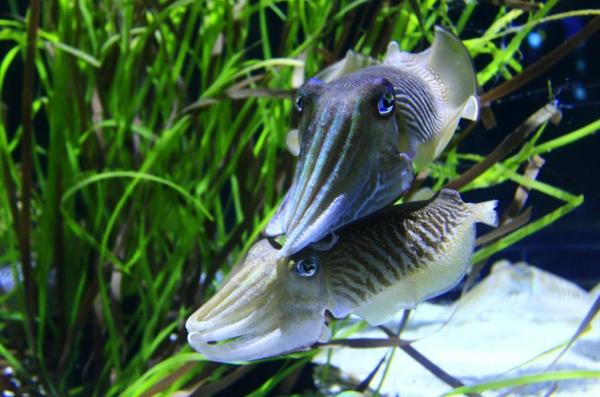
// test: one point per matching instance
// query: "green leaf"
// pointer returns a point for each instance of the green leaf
(553, 376)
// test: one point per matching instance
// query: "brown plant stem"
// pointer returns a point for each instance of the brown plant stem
(434, 369)
(512, 141)
(364, 384)
(221, 384)
(522, 193)
(27, 163)
(505, 228)
(405, 345)
(516, 4)
(542, 65)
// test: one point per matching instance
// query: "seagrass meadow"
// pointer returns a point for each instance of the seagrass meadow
(143, 151)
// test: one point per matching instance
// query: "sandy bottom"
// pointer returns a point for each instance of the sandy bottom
(515, 322)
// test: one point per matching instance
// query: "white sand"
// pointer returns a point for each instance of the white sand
(495, 331)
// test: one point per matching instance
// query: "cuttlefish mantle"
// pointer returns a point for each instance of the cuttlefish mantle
(362, 125)
(389, 261)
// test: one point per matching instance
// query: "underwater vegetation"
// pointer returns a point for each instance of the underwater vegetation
(143, 152)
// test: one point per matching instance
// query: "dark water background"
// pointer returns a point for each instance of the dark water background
(571, 246)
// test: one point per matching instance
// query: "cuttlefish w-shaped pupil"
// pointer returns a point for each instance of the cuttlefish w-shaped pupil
(299, 103)
(307, 267)
(385, 106)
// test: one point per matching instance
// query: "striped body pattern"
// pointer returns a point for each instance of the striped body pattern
(420, 111)
(403, 255)
(390, 260)
(419, 108)
(362, 124)
(420, 98)
(373, 255)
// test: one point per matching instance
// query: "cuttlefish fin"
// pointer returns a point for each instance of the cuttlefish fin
(485, 213)
(424, 193)
(350, 63)
(471, 109)
(446, 67)
(276, 226)
(292, 141)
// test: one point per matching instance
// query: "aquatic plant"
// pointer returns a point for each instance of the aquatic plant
(142, 151)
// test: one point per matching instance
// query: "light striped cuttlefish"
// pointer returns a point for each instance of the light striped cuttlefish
(360, 130)
(381, 264)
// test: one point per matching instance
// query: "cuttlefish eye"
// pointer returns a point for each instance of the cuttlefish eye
(385, 106)
(299, 103)
(307, 267)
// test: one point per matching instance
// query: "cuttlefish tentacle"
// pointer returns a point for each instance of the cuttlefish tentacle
(360, 130)
(264, 309)
(390, 260)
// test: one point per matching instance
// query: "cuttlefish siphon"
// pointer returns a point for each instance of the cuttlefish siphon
(360, 131)
(383, 263)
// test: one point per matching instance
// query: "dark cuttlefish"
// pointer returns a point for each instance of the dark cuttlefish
(361, 128)
(386, 262)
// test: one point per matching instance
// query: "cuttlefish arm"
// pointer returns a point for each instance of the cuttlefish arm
(266, 308)
(389, 261)
(359, 133)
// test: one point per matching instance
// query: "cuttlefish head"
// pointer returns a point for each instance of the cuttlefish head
(349, 163)
(267, 307)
